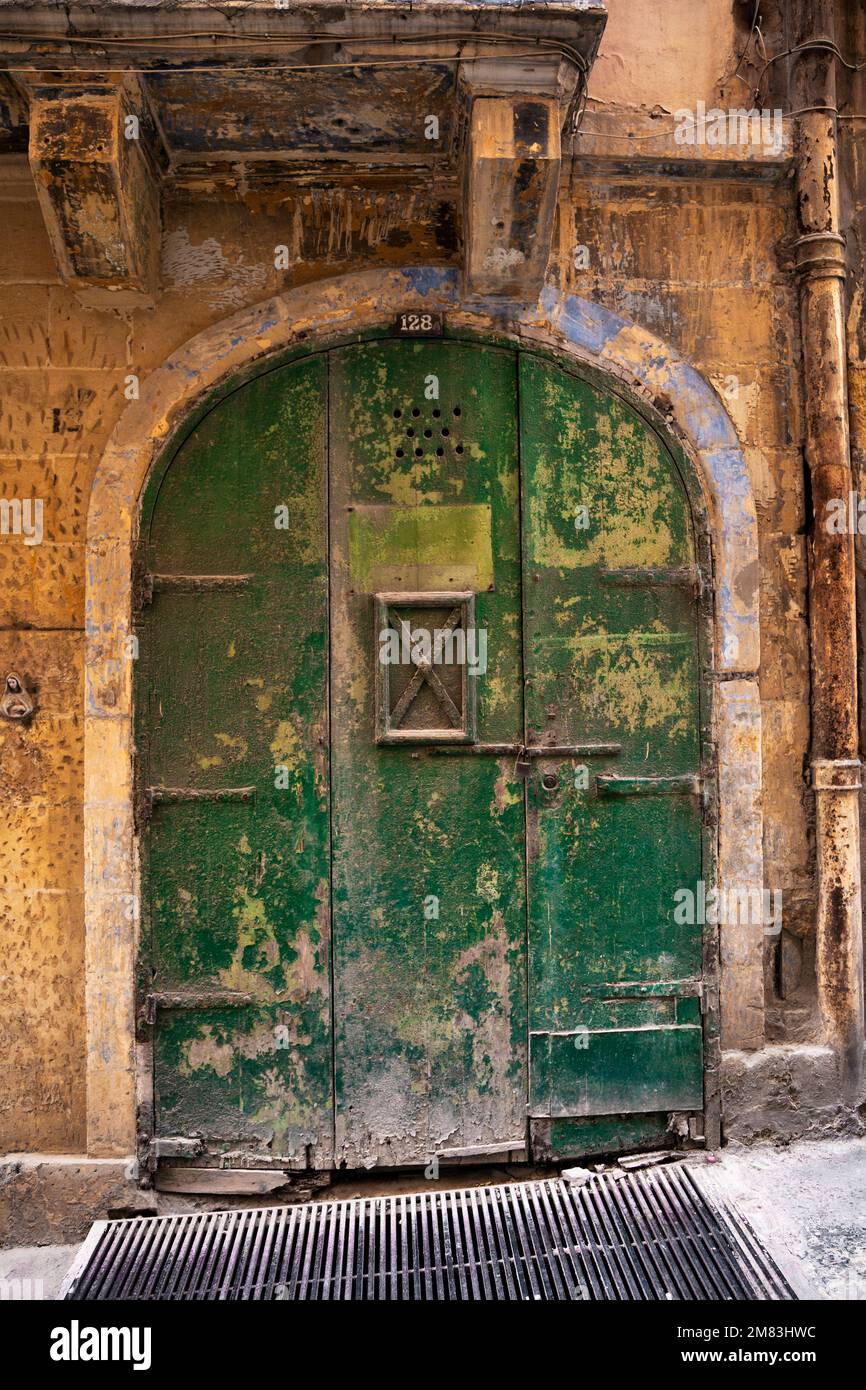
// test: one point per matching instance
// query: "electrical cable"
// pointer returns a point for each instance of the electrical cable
(306, 41)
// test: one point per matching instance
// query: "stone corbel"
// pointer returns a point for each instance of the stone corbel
(96, 163)
(512, 160)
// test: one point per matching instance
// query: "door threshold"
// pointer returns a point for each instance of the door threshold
(226, 1182)
(514, 1148)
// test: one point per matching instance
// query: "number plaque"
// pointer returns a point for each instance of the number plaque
(418, 323)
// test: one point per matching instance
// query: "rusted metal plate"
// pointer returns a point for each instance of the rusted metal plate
(429, 916)
(232, 697)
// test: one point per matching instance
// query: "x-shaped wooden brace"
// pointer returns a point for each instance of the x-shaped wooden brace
(424, 673)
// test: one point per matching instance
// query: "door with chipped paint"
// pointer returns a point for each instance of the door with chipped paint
(408, 904)
(232, 737)
(429, 835)
(612, 656)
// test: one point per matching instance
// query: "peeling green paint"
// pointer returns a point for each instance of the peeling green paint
(432, 966)
(230, 684)
(430, 1012)
(615, 664)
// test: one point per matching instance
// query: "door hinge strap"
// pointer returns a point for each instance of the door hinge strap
(642, 989)
(609, 784)
(551, 750)
(685, 577)
(195, 583)
(195, 999)
(171, 1146)
(175, 794)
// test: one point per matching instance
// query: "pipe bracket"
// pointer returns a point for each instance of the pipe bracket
(819, 254)
(836, 775)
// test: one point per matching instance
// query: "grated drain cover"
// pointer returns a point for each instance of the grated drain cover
(648, 1235)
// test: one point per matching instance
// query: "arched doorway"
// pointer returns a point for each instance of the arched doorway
(407, 899)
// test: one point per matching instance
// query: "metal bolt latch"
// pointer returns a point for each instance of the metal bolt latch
(16, 702)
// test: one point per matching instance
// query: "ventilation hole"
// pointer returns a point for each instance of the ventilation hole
(457, 410)
(419, 453)
(436, 413)
(428, 434)
(415, 411)
(459, 449)
(410, 434)
(445, 432)
(398, 414)
(400, 454)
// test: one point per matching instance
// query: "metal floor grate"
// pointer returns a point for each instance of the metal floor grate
(648, 1235)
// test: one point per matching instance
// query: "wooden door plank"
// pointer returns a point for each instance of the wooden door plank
(429, 931)
(232, 734)
(611, 648)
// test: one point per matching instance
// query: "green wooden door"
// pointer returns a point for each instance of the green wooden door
(232, 738)
(408, 901)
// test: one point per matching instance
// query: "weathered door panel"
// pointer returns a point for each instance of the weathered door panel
(637, 1060)
(606, 872)
(428, 842)
(611, 651)
(233, 740)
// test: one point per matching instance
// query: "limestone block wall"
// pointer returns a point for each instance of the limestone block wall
(705, 265)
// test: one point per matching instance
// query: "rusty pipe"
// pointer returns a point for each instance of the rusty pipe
(820, 268)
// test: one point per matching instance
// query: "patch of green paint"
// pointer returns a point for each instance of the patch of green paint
(420, 547)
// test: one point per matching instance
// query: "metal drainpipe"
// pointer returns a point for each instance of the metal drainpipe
(820, 267)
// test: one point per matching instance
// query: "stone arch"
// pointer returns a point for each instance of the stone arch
(683, 403)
